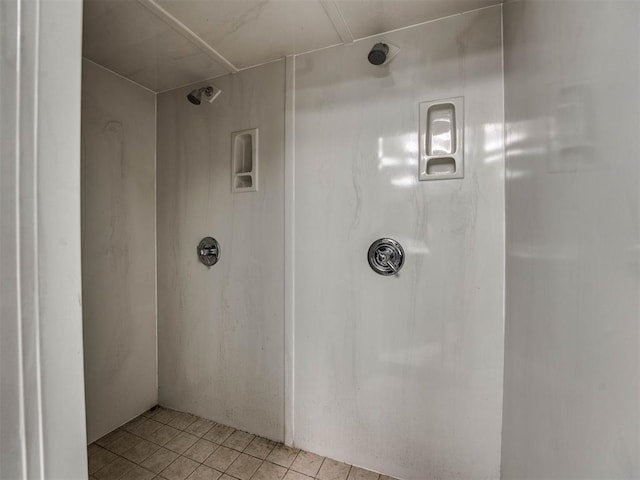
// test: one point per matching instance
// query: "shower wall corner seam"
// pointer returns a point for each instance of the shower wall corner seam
(289, 253)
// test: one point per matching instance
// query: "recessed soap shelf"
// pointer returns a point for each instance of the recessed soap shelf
(244, 161)
(442, 139)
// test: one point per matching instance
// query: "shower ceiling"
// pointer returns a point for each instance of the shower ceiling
(164, 44)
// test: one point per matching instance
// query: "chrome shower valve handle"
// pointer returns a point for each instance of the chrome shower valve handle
(208, 251)
(391, 265)
(386, 256)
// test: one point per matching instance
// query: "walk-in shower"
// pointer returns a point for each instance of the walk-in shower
(401, 244)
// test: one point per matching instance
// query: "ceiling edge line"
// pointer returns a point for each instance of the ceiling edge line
(189, 34)
(406, 27)
(337, 19)
(119, 75)
(197, 82)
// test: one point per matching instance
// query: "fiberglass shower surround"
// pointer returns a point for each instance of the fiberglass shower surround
(313, 249)
(371, 376)
(221, 332)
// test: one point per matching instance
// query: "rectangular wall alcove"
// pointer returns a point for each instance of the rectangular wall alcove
(441, 139)
(244, 158)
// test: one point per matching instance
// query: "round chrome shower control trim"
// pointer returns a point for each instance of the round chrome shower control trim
(386, 256)
(208, 251)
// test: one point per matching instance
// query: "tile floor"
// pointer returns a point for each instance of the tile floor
(167, 444)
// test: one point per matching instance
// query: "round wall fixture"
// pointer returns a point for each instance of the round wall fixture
(208, 251)
(386, 256)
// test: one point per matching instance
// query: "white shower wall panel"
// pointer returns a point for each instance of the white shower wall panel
(118, 249)
(572, 370)
(221, 329)
(400, 374)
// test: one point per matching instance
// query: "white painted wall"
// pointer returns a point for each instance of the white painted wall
(221, 330)
(572, 379)
(42, 428)
(402, 375)
(118, 249)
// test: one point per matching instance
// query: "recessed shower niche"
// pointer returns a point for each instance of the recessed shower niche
(442, 139)
(244, 161)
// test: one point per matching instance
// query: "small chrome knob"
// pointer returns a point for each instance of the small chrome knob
(208, 251)
(386, 256)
